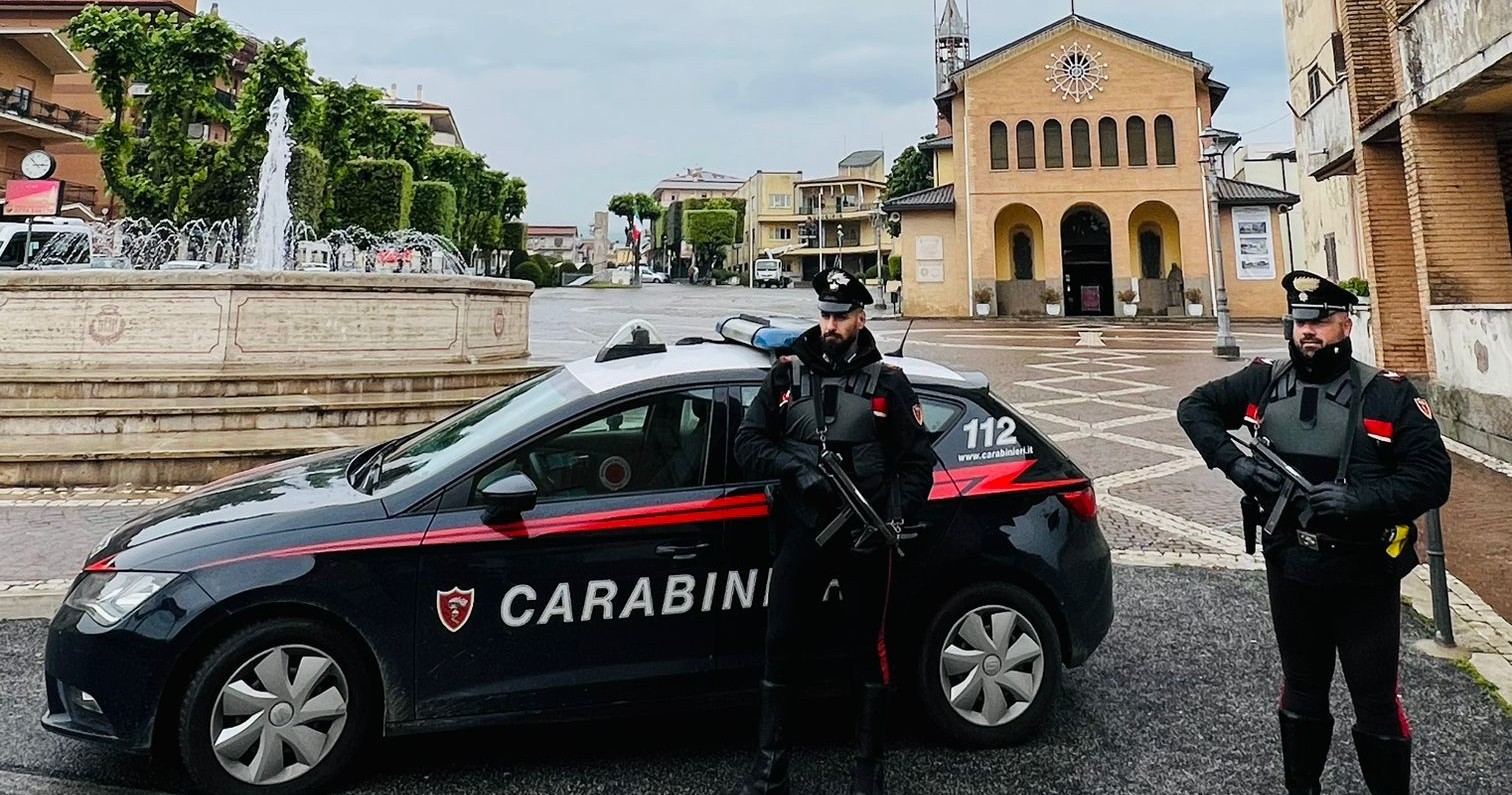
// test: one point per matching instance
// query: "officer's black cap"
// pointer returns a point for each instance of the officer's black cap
(1312, 297)
(840, 291)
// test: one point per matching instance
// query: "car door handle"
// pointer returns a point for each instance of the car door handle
(681, 552)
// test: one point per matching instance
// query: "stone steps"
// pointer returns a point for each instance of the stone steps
(164, 459)
(175, 428)
(68, 417)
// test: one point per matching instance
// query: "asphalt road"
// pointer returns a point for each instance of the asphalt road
(1179, 700)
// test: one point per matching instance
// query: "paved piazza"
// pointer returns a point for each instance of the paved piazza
(1179, 699)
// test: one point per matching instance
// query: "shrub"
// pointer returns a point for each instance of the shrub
(434, 210)
(1126, 296)
(308, 173)
(1050, 296)
(1358, 286)
(528, 271)
(895, 268)
(1194, 296)
(375, 195)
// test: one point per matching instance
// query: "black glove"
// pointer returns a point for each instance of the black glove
(1254, 478)
(812, 485)
(1334, 501)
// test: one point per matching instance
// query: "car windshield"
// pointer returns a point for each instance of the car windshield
(456, 438)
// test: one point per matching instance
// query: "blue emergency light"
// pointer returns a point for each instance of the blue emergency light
(757, 332)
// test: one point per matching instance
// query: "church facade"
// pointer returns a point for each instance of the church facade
(1069, 168)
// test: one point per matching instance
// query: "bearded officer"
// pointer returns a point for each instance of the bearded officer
(833, 392)
(1369, 445)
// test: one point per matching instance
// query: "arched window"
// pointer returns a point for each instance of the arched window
(1081, 144)
(1138, 153)
(1055, 143)
(999, 138)
(1107, 141)
(1026, 147)
(1151, 251)
(1165, 141)
(1023, 255)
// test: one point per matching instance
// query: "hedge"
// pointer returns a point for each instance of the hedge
(307, 185)
(375, 195)
(435, 209)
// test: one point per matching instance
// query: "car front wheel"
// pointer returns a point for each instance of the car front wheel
(279, 708)
(990, 667)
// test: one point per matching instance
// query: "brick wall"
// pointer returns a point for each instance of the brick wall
(1390, 259)
(1368, 46)
(1459, 217)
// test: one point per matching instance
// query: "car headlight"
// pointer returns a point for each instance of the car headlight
(109, 597)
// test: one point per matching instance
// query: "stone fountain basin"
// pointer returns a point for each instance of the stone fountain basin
(193, 320)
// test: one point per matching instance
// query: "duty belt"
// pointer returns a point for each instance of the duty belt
(1320, 542)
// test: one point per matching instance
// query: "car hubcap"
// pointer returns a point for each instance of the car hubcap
(279, 715)
(991, 665)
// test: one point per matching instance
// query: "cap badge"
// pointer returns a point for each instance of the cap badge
(1306, 284)
(1302, 297)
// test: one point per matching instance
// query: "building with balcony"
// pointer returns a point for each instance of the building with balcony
(1095, 186)
(695, 183)
(553, 241)
(443, 123)
(1406, 125)
(31, 60)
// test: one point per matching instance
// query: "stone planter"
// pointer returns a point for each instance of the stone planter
(983, 309)
(1130, 310)
(1053, 310)
(1194, 310)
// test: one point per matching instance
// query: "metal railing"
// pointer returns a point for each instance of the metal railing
(22, 103)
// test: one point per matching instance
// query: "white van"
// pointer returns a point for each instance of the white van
(768, 273)
(54, 243)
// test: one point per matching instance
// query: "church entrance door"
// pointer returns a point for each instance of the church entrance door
(1087, 262)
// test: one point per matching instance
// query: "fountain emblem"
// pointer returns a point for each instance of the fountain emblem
(107, 326)
(498, 322)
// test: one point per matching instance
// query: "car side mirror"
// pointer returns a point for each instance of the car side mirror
(510, 496)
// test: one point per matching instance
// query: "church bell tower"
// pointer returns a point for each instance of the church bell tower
(952, 42)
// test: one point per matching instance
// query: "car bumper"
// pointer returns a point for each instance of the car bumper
(105, 684)
(1086, 589)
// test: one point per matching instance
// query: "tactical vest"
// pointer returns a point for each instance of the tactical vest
(1312, 426)
(846, 405)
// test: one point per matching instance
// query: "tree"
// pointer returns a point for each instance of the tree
(375, 195)
(634, 207)
(912, 172)
(710, 231)
(180, 60)
(279, 66)
(434, 210)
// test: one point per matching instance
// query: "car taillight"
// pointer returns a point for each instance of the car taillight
(1082, 503)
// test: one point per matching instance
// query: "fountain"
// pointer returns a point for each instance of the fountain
(132, 293)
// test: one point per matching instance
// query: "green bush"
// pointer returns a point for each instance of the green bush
(375, 195)
(721, 275)
(1358, 286)
(512, 237)
(895, 268)
(869, 273)
(435, 208)
(307, 185)
(527, 271)
(710, 227)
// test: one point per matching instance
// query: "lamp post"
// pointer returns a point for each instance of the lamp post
(1218, 142)
(879, 222)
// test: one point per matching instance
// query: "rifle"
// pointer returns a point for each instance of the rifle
(1293, 485)
(854, 505)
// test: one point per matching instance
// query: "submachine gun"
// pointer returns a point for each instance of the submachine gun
(1294, 487)
(855, 506)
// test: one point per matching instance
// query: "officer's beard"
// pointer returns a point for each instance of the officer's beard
(836, 348)
(1326, 364)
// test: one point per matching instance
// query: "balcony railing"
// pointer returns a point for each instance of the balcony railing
(20, 102)
(1328, 134)
(1437, 37)
(72, 194)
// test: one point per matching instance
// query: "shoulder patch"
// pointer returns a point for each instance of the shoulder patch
(1422, 405)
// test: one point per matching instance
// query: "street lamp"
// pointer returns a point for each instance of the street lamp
(1217, 144)
(879, 222)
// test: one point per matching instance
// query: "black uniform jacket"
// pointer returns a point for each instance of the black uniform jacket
(1399, 468)
(906, 446)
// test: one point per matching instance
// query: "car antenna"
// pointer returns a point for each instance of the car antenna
(898, 354)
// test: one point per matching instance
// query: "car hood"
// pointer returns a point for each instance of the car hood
(305, 492)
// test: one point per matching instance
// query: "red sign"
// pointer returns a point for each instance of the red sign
(25, 197)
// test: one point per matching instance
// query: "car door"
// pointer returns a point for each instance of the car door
(602, 592)
(741, 634)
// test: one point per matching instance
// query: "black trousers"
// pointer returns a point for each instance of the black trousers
(1361, 625)
(801, 578)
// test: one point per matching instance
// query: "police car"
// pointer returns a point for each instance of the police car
(578, 543)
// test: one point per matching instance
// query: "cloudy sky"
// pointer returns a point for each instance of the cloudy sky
(588, 98)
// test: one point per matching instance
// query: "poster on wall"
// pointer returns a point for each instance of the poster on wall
(929, 254)
(1252, 236)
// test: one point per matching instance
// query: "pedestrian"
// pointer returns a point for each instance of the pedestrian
(834, 392)
(692, 274)
(1369, 446)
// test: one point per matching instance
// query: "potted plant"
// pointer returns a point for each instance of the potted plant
(983, 301)
(1128, 298)
(1052, 300)
(1194, 302)
(1360, 288)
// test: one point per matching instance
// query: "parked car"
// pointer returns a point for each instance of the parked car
(53, 242)
(579, 544)
(649, 276)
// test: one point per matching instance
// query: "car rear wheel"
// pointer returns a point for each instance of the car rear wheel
(990, 667)
(279, 708)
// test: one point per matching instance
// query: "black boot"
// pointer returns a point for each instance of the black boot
(1386, 762)
(769, 775)
(871, 739)
(1304, 750)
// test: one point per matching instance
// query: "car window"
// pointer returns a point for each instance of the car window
(467, 432)
(656, 443)
(939, 414)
